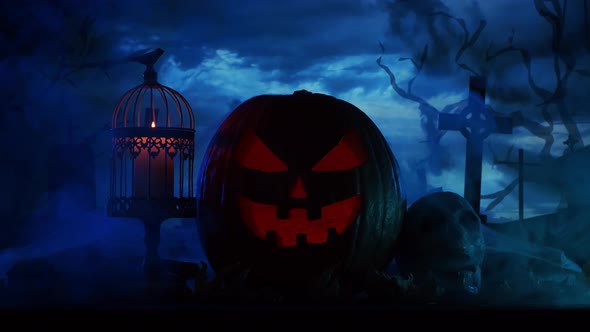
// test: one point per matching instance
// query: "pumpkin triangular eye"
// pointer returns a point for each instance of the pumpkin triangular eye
(348, 154)
(252, 153)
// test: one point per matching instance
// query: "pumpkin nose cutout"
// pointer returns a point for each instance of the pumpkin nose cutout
(297, 190)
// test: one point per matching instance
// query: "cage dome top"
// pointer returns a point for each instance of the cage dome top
(152, 104)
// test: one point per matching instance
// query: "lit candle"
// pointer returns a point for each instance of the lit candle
(153, 176)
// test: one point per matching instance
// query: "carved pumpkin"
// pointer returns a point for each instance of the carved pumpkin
(292, 185)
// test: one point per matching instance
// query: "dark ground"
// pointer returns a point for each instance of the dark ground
(102, 277)
(67, 279)
(111, 292)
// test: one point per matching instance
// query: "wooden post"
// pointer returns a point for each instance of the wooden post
(521, 165)
(520, 185)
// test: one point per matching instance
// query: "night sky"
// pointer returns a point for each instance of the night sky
(220, 53)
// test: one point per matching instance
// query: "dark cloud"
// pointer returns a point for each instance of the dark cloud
(297, 41)
(295, 33)
(412, 25)
(517, 81)
(509, 94)
(287, 43)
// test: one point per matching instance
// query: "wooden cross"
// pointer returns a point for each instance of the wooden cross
(475, 123)
(521, 165)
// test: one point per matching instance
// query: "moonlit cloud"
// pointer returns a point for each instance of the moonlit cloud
(221, 53)
(224, 75)
(64, 68)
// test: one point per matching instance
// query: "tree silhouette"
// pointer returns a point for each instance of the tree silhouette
(45, 50)
(564, 61)
(565, 65)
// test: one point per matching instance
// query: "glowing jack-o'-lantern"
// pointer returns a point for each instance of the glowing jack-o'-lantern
(282, 209)
(298, 183)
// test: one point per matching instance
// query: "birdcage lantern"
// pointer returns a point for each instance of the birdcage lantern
(152, 156)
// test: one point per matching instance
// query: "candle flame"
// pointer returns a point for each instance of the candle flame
(153, 124)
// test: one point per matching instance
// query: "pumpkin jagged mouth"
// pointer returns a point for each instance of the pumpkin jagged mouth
(298, 229)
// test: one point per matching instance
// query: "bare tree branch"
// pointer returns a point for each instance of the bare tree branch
(418, 65)
(499, 195)
(403, 93)
(468, 41)
(537, 129)
(556, 97)
(496, 160)
(428, 112)
(557, 21)
(526, 58)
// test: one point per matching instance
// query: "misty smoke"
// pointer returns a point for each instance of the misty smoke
(522, 273)
(84, 248)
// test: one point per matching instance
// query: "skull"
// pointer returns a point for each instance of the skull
(441, 244)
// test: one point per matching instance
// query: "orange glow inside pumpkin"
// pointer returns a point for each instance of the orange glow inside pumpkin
(261, 218)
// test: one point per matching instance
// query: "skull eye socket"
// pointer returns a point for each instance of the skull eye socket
(253, 154)
(348, 154)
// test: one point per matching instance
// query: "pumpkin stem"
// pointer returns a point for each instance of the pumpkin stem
(302, 92)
